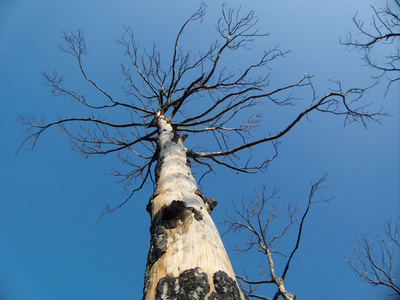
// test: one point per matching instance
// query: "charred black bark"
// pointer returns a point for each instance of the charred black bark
(210, 203)
(169, 215)
(193, 284)
(178, 137)
(188, 163)
(225, 287)
(189, 285)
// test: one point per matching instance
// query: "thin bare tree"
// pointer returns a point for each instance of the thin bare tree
(167, 100)
(255, 218)
(382, 32)
(375, 260)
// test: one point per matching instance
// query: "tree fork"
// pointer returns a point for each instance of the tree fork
(186, 259)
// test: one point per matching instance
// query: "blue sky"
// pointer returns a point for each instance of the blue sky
(50, 245)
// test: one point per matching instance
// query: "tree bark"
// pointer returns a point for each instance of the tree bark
(187, 259)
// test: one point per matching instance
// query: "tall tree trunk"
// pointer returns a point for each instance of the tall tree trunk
(187, 259)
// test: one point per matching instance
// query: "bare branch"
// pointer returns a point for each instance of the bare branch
(256, 219)
(109, 210)
(330, 103)
(375, 260)
(75, 45)
(314, 188)
(383, 32)
(39, 127)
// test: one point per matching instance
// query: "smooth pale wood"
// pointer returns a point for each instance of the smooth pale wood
(193, 243)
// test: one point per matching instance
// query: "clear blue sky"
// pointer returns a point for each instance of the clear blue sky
(50, 245)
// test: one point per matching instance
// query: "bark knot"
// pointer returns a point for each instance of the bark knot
(210, 203)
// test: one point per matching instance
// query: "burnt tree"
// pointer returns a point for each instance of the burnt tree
(186, 259)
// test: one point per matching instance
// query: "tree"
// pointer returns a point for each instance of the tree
(383, 30)
(377, 265)
(375, 262)
(256, 218)
(197, 95)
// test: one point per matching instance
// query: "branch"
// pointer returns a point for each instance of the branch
(327, 103)
(384, 31)
(76, 46)
(378, 269)
(314, 188)
(109, 210)
(256, 219)
(33, 123)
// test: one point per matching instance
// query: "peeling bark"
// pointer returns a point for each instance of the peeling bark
(186, 259)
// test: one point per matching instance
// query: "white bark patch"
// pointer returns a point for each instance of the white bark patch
(175, 180)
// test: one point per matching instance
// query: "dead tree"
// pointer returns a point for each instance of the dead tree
(383, 32)
(255, 218)
(375, 261)
(147, 130)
